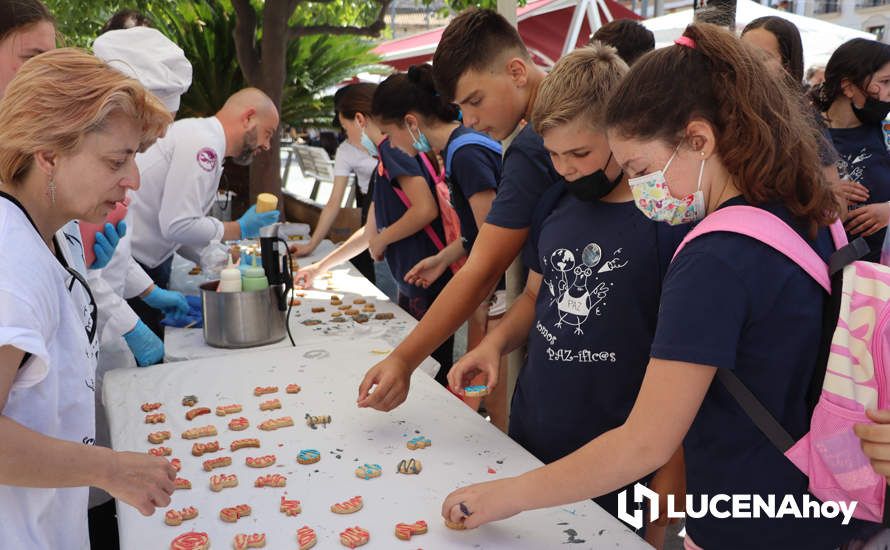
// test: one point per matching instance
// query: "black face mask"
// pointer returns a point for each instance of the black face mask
(595, 186)
(873, 112)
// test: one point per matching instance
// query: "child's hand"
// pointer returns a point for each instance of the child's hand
(304, 277)
(483, 359)
(670, 479)
(377, 247)
(426, 272)
(482, 503)
(875, 440)
(390, 379)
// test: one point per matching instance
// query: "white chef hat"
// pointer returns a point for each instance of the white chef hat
(151, 58)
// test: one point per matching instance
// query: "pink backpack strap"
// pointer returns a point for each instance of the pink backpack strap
(428, 229)
(438, 177)
(770, 230)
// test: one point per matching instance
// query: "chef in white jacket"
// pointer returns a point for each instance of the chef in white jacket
(180, 177)
(161, 66)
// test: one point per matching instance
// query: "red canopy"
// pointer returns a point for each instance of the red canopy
(543, 26)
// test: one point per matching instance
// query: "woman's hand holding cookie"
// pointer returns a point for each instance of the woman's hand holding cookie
(141, 480)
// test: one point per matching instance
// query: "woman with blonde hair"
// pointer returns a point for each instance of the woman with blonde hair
(70, 127)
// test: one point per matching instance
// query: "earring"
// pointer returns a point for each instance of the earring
(52, 190)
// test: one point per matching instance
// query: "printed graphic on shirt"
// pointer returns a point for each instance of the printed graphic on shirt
(207, 159)
(577, 284)
(853, 166)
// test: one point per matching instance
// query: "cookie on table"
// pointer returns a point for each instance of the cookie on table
(160, 451)
(223, 481)
(191, 541)
(276, 423)
(189, 401)
(314, 421)
(354, 537)
(203, 431)
(149, 407)
(384, 316)
(270, 405)
(180, 483)
(271, 480)
(194, 413)
(263, 390)
(311, 322)
(306, 538)
(200, 449)
(158, 437)
(317, 309)
(410, 466)
(243, 542)
(404, 531)
(234, 513)
(293, 388)
(238, 424)
(308, 456)
(419, 442)
(223, 410)
(456, 525)
(359, 301)
(351, 506)
(260, 461)
(220, 462)
(368, 471)
(176, 517)
(289, 507)
(244, 444)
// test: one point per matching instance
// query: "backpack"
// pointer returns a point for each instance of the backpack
(855, 352)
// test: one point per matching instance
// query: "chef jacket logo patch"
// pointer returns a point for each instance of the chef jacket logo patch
(207, 159)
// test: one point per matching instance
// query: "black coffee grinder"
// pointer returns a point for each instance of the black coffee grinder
(277, 268)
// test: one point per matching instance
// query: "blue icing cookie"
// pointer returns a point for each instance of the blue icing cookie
(367, 471)
(308, 456)
(475, 391)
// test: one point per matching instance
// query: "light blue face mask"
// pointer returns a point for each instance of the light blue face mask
(420, 143)
(368, 143)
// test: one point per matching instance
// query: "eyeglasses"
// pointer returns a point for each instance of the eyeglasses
(94, 312)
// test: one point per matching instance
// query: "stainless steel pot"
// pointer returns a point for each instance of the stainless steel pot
(242, 319)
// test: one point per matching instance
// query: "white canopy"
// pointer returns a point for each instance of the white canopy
(820, 38)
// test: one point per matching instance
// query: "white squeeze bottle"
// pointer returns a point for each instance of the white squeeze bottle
(229, 278)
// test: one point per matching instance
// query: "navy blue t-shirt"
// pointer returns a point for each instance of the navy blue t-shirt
(401, 256)
(732, 302)
(527, 173)
(601, 265)
(864, 157)
(474, 168)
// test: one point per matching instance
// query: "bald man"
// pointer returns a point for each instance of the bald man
(180, 177)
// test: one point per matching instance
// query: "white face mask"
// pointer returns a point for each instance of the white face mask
(654, 199)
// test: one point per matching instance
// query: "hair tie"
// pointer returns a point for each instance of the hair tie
(685, 41)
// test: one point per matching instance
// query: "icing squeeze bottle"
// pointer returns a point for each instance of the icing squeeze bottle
(266, 202)
(254, 278)
(229, 278)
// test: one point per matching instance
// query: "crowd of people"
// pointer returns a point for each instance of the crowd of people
(592, 174)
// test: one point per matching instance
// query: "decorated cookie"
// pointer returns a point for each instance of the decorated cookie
(191, 541)
(200, 449)
(290, 507)
(158, 418)
(335, 300)
(223, 481)
(243, 542)
(354, 537)
(349, 507)
(192, 414)
(295, 301)
(308, 456)
(476, 391)
(293, 388)
(189, 401)
(269, 405)
(220, 462)
(411, 466)
(223, 410)
(306, 538)
(405, 531)
(351, 312)
(148, 407)
(361, 318)
(260, 461)
(336, 314)
(384, 316)
(180, 483)
(367, 471)
(339, 320)
(176, 463)
(234, 513)
(344, 307)
(263, 390)
(314, 421)
(369, 308)
(456, 525)
(160, 451)
(311, 322)
(176, 517)
(359, 301)
(158, 437)
(271, 480)
(203, 431)
(238, 424)
(276, 423)
(244, 444)
(419, 442)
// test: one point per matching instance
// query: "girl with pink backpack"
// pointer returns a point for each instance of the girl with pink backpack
(703, 130)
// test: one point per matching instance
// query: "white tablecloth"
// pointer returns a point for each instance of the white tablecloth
(465, 449)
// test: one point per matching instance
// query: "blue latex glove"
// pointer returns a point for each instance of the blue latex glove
(251, 222)
(106, 243)
(171, 303)
(194, 318)
(147, 348)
